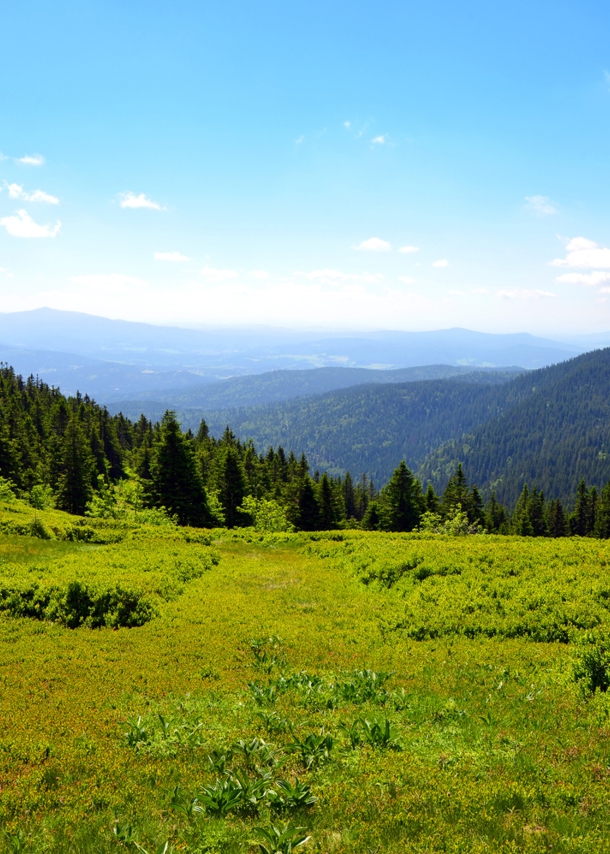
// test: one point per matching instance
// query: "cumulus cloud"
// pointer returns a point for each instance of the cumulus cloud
(213, 275)
(540, 205)
(261, 275)
(583, 253)
(22, 225)
(409, 249)
(374, 244)
(170, 256)
(525, 294)
(31, 159)
(16, 191)
(130, 200)
(441, 263)
(587, 279)
(407, 280)
(379, 140)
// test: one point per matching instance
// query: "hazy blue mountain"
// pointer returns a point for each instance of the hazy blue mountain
(221, 353)
(276, 386)
(101, 380)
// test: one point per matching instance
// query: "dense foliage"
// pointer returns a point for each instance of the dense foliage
(398, 692)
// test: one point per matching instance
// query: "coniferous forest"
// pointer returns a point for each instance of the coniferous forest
(71, 453)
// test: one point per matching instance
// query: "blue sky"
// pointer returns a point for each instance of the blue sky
(238, 162)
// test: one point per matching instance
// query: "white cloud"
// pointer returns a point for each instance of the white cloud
(16, 191)
(583, 253)
(114, 282)
(407, 280)
(212, 275)
(170, 256)
(22, 225)
(379, 140)
(337, 277)
(130, 200)
(588, 279)
(5, 272)
(540, 205)
(442, 263)
(347, 125)
(525, 294)
(409, 249)
(299, 140)
(3, 157)
(374, 244)
(261, 275)
(31, 160)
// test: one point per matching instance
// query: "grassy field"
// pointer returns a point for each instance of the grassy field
(166, 689)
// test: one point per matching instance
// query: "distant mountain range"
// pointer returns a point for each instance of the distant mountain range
(116, 360)
(549, 427)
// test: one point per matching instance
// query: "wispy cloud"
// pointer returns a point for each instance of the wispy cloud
(338, 277)
(261, 275)
(7, 273)
(170, 256)
(130, 200)
(115, 282)
(583, 253)
(31, 159)
(299, 139)
(347, 125)
(441, 263)
(407, 280)
(540, 205)
(22, 225)
(16, 191)
(374, 244)
(408, 250)
(213, 275)
(380, 140)
(525, 294)
(588, 279)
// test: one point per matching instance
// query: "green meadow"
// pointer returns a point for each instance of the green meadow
(166, 689)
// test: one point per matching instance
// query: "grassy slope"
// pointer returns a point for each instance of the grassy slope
(501, 752)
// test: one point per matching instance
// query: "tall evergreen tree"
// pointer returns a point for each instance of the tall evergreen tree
(602, 517)
(327, 512)
(403, 499)
(521, 522)
(233, 487)
(176, 480)
(582, 519)
(308, 514)
(74, 489)
(556, 521)
(495, 516)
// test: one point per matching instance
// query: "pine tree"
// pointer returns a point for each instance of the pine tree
(233, 488)
(403, 499)
(495, 517)
(602, 518)
(431, 501)
(74, 487)
(537, 517)
(176, 481)
(521, 522)
(556, 521)
(373, 518)
(582, 520)
(327, 512)
(349, 497)
(308, 513)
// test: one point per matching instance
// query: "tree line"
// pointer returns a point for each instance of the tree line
(73, 453)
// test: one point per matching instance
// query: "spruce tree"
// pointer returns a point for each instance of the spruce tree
(308, 514)
(495, 517)
(556, 521)
(327, 512)
(582, 519)
(74, 489)
(521, 522)
(176, 480)
(233, 488)
(403, 500)
(602, 517)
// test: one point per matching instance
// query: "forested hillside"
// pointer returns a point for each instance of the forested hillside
(368, 428)
(551, 438)
(278, 386)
